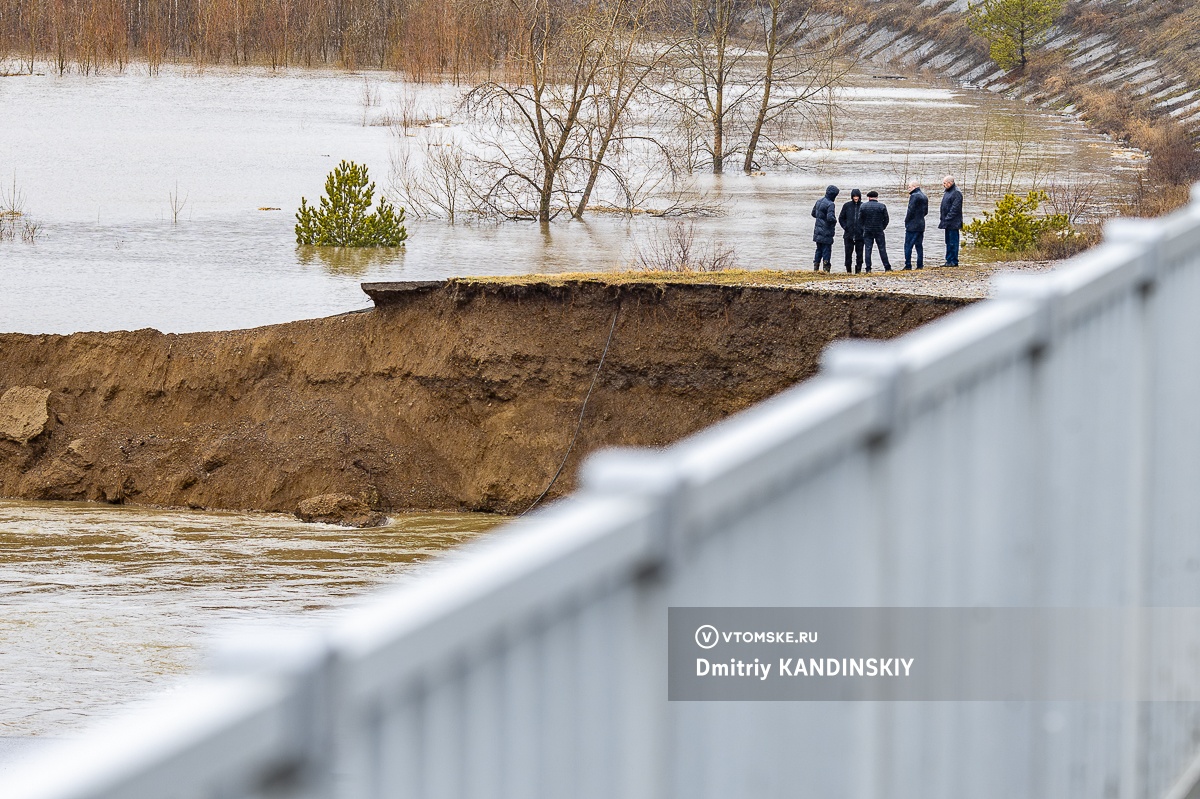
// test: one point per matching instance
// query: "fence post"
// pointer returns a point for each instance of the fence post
(304, 660)
(646, 747)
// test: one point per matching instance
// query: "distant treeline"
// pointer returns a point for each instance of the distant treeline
(420, 37)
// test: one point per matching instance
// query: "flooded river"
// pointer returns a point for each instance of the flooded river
(100, 605)
(168, 201)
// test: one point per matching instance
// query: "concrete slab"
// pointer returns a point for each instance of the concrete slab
(393, 290)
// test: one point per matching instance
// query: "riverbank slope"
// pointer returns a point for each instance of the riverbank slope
(459, 395)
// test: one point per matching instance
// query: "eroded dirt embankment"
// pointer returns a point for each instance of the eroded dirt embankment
(463, 395)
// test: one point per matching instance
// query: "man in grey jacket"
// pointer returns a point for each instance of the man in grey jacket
(951, 218)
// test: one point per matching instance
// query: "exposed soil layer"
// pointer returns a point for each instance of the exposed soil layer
(458, 396)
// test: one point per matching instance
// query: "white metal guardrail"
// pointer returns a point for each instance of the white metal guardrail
(1040, 449)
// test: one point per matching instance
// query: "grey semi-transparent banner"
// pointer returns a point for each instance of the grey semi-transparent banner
(827, 654)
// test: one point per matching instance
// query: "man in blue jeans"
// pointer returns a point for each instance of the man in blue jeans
(914, 225)
(951, 218)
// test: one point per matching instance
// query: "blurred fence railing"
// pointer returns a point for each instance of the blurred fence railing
(1039, 449)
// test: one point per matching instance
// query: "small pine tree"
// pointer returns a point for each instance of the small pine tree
(1014, 225)
(343, 218)
(1012, 27)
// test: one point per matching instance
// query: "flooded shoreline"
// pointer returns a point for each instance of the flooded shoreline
(238, 148)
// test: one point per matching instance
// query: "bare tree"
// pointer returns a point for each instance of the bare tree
(702, 83)
(176, 203)
(676, 249)
(632, 60)
(441, 185)
(558, 117)
(566, 131)
(798, 68)
(746, 66)
(1075, 196)
(555, 77)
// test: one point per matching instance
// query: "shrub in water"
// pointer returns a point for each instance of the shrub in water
(1015, 226)
(343, 218)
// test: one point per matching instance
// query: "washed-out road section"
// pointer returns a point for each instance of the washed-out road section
(447, 395)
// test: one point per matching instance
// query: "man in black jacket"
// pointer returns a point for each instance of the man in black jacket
(874, 217)
(914, 225)
(951, 218)
(852, 230)
(825, 212)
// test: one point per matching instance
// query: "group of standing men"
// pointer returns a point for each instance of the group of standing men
(863, 225)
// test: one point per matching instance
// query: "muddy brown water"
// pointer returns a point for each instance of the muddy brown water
(100, 605)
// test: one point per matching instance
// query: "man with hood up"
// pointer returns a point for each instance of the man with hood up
(825, 212)
(852, 229)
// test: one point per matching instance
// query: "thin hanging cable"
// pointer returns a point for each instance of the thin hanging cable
(582, 410)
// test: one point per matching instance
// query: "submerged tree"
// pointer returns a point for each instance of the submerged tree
(343, 218)
(798, 68)
(710, 97)
(1012, 27)
(563, 109)
(743, 66)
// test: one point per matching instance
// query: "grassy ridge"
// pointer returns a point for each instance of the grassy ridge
(727, 277)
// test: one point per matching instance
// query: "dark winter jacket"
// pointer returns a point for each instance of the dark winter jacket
(918, 208)
(952, 218)
(874, 216)
(851, 218)
(825, 212)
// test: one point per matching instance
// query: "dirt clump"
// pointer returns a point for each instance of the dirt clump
(24, 413)
(340, 509)
(460, 396)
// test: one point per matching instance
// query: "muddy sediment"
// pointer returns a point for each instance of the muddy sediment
(460, 395)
